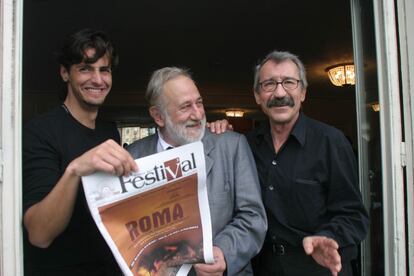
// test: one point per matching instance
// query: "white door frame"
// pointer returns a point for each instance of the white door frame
(11, 252)
(393, 148)
(405, 10)
(395, 154)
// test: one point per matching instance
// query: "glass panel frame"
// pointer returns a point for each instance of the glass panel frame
(369, 153)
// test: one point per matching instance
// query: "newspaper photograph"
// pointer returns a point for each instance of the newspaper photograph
(157, 220)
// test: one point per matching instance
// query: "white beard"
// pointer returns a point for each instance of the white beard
(178, 133)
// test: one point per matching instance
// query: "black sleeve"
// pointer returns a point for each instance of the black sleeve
(41, 163)
(349, 222)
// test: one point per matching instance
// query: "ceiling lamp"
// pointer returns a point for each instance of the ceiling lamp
(234, 113)
(341, 74)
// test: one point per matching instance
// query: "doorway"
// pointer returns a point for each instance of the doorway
(220, 41)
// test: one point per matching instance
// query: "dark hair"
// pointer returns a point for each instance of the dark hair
(75, 45)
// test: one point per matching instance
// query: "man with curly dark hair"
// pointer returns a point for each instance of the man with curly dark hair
(60, 147)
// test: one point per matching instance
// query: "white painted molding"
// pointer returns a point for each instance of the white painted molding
(391, 137)
(406, 39)
(11, 252)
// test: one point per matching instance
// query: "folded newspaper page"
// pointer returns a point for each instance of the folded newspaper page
(156, 221)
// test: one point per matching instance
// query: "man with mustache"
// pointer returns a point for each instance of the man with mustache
(60, 147)
(237, 213)
(308, 176)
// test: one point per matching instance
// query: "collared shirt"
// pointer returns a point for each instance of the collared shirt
(310, 187)
(161, 144)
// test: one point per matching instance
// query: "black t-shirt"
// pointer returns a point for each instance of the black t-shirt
(50, 143)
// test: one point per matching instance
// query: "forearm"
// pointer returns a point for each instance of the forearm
(240, 241)
(348, 220)
(348, 223)
(346, 230)
(48, 218)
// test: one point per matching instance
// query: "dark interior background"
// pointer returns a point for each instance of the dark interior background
(220, 41)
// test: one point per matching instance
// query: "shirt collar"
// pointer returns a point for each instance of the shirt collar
(298, 131)
(161, 145)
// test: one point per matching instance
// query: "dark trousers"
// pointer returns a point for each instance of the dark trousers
(279, 260)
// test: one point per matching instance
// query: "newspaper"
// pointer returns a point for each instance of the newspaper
(156, 221)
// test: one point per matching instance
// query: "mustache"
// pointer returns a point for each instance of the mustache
(193, 122)
(277, 102)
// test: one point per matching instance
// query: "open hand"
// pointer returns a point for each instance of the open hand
(324, 251)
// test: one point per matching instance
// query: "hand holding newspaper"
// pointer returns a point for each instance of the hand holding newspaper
(156, 221)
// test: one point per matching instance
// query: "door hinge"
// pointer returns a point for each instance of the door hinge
(403, 155)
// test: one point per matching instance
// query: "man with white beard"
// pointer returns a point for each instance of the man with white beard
(238, 219)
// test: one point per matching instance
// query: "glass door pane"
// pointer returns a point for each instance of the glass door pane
(369, 147)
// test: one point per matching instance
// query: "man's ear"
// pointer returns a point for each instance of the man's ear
(157, 116)
(257, 97)
(64, 73)
(303, 95)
